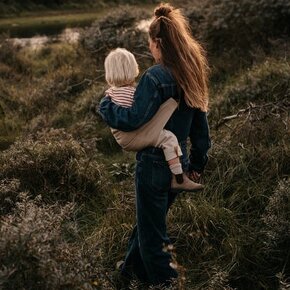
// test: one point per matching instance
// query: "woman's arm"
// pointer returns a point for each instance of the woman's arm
(147, 100)
(200, 142)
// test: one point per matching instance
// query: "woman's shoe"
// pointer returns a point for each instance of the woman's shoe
(186, 185)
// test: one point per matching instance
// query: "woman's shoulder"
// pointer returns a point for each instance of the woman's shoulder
(159, 73)
(157, 68)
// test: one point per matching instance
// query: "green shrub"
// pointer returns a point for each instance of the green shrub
(52, 163)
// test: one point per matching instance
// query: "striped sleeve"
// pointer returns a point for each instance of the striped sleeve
(122, 96)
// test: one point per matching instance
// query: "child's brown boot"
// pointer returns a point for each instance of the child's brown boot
(186, 185)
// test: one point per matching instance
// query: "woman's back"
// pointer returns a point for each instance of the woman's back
(182, 119)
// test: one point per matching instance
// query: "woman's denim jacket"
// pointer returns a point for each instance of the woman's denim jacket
(155, 87)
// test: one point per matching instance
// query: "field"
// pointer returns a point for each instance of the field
(66, 187)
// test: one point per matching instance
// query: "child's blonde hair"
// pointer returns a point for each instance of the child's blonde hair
(121, 67)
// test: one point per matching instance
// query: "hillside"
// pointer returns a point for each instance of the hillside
(66, 188)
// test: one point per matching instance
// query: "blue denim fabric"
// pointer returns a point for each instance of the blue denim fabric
(145, 256)
(156, 86)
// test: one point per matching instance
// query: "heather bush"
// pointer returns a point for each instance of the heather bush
(105, 141)
(52, 163)
(49, 58)
(9, 56)
(276, 221)
(10, 121)
(116, 30)
(64, 85)
(56, 72)
(238, 33)
(9, 195)
(37, 249)
(56, 77)
(241, 25)
(9, 103)
(284, 281)
(5, 71)
(276, 216)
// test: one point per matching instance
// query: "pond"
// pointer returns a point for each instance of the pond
(29, 26)
(68, 35)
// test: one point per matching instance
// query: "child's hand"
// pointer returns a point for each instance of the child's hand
(194, 176)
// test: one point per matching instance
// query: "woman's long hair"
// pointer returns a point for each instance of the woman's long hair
(182, 54)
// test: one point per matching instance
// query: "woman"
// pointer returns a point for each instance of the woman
(180, 72)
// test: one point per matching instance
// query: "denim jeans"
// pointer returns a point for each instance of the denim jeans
(145, 257)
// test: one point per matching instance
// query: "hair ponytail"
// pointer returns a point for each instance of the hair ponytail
(182, 54)
(163, 10)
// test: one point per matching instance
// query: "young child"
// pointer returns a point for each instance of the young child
(121, 70)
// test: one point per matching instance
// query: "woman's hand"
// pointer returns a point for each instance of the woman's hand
(194, 176)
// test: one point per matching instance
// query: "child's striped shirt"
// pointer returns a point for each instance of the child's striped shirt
(122, 96)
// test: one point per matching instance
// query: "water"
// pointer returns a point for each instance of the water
(29, 26)
(68, 35)
(39, 29)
